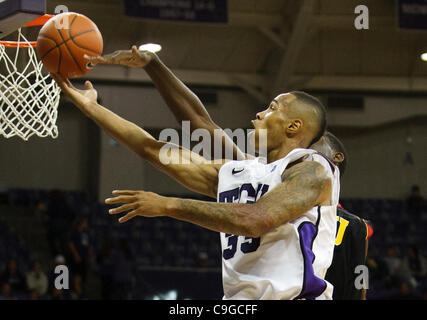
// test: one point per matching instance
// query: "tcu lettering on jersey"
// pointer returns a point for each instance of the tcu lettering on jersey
(248, 244)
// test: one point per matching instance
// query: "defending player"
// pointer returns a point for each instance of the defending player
(276, 217)
(351, 243)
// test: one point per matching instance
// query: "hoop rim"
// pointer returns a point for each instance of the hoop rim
(40, 21)
(16, 44)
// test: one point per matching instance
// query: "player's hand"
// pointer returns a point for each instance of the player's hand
(81, 98)
(130, 58)
(138, 203)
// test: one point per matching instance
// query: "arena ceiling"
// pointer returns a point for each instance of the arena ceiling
(270, 45)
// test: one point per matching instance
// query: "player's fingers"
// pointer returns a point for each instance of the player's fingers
(61, 79)
(123, 192)
(120, 199)
(135, 51)
(69, 84)
(129, 216)
(94, 60)
(114, 58)
(55, 77)
(123, 208)
(88, 85)
(90, 59)
(61, 82)
(68, 87)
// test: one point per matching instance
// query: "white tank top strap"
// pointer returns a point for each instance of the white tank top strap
(294, 155)
(332, 171)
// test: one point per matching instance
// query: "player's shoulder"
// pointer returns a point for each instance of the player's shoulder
(300, 156)
(346, 214)
(355, 221)
(309, 155)
(324, 160)
(299, 153)
(228, 165)
(242, 162)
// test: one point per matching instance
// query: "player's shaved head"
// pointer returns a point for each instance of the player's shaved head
(337, 147)
(332, 147)
(312, 111)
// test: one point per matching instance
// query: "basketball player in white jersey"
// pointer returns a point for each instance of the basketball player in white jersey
(277, 218)
(350, 250)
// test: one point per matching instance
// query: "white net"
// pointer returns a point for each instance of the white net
(29, 99)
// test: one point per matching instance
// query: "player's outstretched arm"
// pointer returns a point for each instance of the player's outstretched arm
(303, 186)
(184, 104)
(188, 168)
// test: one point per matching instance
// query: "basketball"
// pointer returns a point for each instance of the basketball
(64, 40)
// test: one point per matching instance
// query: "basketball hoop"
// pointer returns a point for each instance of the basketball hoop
(29, 99)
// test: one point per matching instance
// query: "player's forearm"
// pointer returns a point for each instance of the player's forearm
(121, 130)
(251, 220)
(183, 103)
(186, 106)
(233, 218)
(303, 188)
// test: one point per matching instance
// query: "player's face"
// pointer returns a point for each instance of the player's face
(272, 122)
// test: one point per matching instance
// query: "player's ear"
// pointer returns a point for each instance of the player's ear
(294, 126)
(338, 157)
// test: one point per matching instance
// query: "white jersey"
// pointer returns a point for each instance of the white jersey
(289, 262)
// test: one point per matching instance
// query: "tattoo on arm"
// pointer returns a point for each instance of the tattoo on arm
(304, 186)
(220, 217)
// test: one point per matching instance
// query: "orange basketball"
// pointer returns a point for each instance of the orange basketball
(64, 40)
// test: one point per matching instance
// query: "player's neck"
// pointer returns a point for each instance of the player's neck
(281, 152)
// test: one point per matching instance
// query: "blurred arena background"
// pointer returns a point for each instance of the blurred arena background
(372, 81)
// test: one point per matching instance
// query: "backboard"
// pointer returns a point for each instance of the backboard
(17, 13)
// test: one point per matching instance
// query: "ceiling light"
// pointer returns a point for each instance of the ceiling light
(153, 47)
(424, 56)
